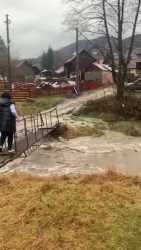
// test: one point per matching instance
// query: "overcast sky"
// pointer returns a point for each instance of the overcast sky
(36, 24)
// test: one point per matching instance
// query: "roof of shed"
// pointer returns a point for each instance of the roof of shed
(102, 67)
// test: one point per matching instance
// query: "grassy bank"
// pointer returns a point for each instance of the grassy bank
(119, 117)
(38, 104)
(88, 213)
(70, 132)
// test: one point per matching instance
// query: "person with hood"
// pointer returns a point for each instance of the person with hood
(8, 116)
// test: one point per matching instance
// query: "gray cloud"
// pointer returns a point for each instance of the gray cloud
(35, 25)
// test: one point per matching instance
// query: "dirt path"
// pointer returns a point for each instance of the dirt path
(69, 105)
(72, 104)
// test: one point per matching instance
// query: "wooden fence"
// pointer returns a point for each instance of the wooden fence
(21, 92)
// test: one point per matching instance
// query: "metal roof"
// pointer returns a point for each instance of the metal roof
(102, 67)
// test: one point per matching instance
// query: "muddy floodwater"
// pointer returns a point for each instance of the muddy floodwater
(82, 155)
(85, 155)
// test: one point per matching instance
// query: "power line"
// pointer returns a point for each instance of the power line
(87, 38)
(79, 14)
(93, 45)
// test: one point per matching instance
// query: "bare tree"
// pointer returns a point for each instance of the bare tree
(117, 20)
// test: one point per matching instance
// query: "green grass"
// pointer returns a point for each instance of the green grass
(132, 128)
(108, 112)
(38, 104)
(89, 213)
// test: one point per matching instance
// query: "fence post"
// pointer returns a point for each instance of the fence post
(42, 120)
(46, 120)
(42, 123)
(31, 122)
(57, 116)
(34, 122)
(51, 118)
(26, 133)
(37, 121)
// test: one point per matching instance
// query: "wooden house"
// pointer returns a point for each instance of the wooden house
(85, 59)
(99, 72)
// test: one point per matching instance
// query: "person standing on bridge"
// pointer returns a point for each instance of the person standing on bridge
(8, 116)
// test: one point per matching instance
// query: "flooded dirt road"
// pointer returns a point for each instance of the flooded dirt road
(85, 155)
(82, 155)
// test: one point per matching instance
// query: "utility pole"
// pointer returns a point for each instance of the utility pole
(77, 61)
(8, 51)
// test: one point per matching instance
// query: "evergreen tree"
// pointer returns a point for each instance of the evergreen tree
(50, 59)
(47, 60)
(44, 60)
(3, 48)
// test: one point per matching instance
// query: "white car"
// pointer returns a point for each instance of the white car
(136, 85)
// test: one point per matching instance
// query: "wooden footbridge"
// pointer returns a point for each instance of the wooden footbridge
(30, 131)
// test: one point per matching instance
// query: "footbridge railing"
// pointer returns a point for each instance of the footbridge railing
(30, 131)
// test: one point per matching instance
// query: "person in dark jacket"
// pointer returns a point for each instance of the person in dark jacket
(7, 120)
